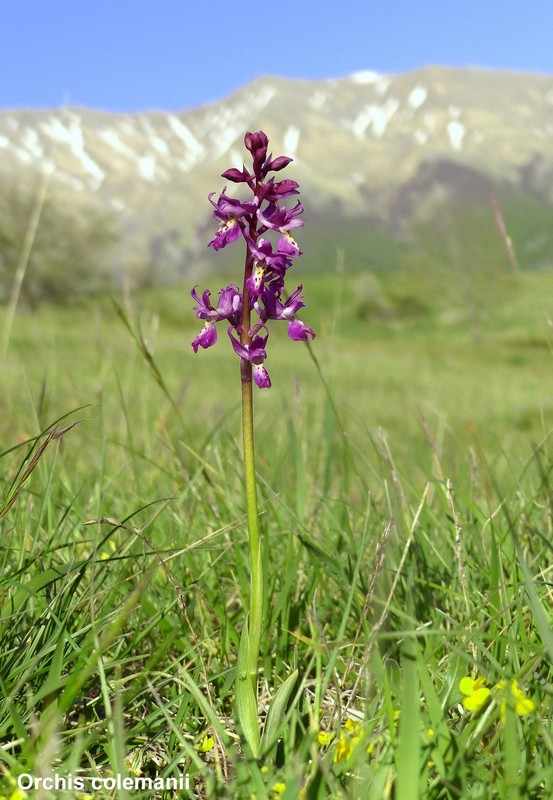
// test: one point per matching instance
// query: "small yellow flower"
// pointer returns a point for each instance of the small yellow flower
(207, 744)
(279, 788)
(521, 704)
(343, 750)
(18, 794)
(105, 555)
(477, 695)
(373, 745)
(324, 738)
(351, 725)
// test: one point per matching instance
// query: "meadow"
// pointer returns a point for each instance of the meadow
(404, 462)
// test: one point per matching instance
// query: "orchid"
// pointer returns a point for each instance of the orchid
(265, 270)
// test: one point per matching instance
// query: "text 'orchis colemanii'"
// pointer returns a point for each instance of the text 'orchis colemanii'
(257, 220)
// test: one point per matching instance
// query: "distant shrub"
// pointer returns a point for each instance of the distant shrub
(373, 303)
(69, 251)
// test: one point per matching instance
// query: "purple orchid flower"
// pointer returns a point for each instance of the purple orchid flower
(273, 192)
(298, 331)
(257, 221)
(230, 212)
(254, 353)
(273, 308)
(262, 251)
(206, 337)
(283, 220)
(229, 305)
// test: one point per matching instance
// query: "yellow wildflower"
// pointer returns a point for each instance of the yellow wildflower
(207, 744)
(521, 704)
(324, 738)
(343, 750)
(18, 794)
(351, 725)
(374, 744)
(477, 695)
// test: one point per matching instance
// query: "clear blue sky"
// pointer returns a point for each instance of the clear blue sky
(131, 55)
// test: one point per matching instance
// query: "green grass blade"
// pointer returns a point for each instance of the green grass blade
(408, 750)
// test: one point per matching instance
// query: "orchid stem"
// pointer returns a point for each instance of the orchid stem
(256, 566)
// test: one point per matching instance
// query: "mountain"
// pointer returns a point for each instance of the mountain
(386, 163)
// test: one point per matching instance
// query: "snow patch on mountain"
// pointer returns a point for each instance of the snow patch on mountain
(417, 96)
(365, 76)
(23, 155)
(318, 100)
(72, 135)
(291, 140)
(225, 126)
(147, 167)
(226, 137)
(195, 150)
(456, 132)
(69, 180)
(184, 133)
(382, 85)
(31, 143)
(156, 141)
(111, 137)
(376, 116)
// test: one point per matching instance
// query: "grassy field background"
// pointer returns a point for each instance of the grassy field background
(404, 463)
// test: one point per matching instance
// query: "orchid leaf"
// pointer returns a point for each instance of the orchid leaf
(277, 710)
(246, 702)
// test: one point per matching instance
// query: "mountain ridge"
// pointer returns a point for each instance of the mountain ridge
(393, 149)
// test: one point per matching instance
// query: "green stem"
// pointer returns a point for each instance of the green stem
(256, 567)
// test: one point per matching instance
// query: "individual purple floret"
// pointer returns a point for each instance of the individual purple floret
(206, 337)
(267, 262)
(229, 306)
(228, 211)
(255, 353)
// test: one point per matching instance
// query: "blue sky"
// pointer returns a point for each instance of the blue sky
(132, 55)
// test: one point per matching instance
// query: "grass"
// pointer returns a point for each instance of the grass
(407, 509)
